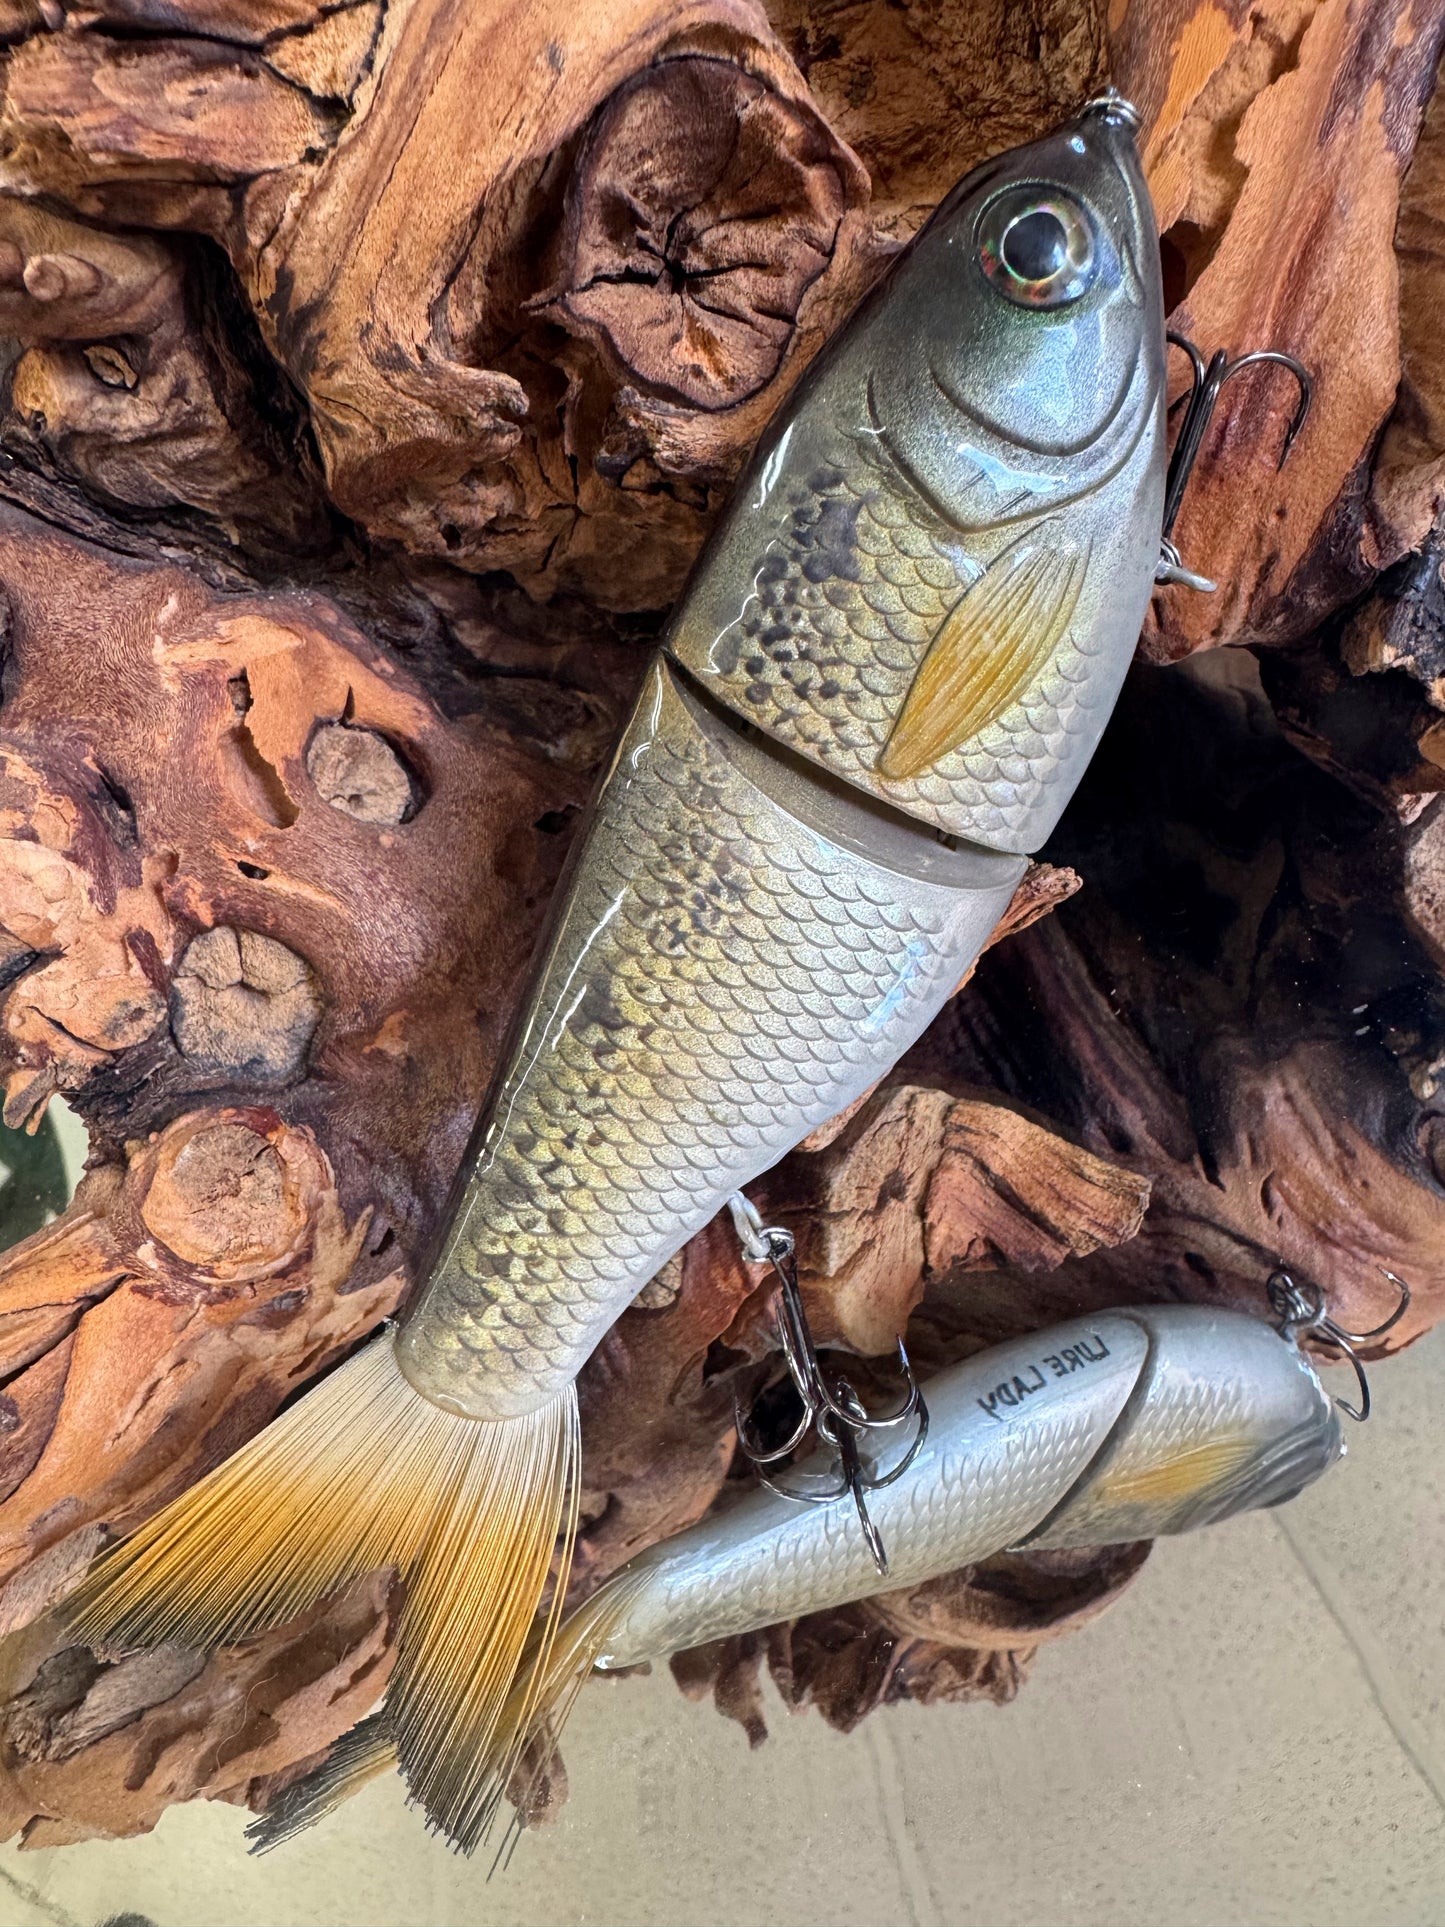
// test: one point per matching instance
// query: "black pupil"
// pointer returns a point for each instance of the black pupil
(1036, 246)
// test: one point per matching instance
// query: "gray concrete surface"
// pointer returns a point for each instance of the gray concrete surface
(1255, 1737)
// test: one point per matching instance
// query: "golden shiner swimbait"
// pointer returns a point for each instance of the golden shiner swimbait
(884, 681)
(1126, 1426)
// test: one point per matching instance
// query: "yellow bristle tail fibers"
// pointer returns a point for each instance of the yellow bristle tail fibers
(547, 1684)
(557, 1663)
(361, 1474)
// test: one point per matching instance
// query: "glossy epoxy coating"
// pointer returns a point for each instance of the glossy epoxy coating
(944, 428)
(1099, 1431)
(739, 956)
(960, 508)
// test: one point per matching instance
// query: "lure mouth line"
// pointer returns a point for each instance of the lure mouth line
(1034, 494)
(1056, 448)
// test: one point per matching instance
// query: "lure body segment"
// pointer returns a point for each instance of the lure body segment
(936, 566)
(740, 953)
(1126, 1426)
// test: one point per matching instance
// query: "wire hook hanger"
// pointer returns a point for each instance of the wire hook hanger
(1302, 1312)
(831, 1408)
(1206, 386)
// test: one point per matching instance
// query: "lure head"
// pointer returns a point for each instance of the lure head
(1229, 1417)
(1035, 324)
(934, 572)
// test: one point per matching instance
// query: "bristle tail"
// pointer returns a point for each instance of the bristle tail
(361, 1474)
(538, 1705)
(546, 1685)
(557, 1664)
(357, 1758)
(469, 1617)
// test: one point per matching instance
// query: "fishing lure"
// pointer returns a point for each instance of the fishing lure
(884, 681)
(1131, 1425)
(1128, 1426)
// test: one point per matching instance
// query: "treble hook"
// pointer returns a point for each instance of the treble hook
(1301, 1311)
(831, 1406)
(1205, 388)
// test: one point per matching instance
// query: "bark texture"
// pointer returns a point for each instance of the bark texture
(369, 377)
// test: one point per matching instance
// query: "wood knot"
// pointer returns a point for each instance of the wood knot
(109, 366)
(704, 206)
(358, 772)
(60, 277)
(231, 1195)
(244, 1004)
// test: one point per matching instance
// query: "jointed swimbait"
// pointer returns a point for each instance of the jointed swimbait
(1126, 1426)
(887, 675)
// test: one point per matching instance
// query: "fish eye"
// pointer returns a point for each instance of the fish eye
(1037, 247)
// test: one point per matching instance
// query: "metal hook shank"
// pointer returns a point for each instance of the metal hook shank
(831, 1407)
(1206, 384)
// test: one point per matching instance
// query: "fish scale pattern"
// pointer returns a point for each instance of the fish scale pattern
(976, 1488)
(842, 607)
(723, 979)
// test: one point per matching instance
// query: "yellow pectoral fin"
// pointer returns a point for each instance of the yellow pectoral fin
(992, 645)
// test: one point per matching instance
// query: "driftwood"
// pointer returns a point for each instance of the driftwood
(371, 376)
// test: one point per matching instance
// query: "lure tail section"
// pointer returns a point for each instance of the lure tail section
(547, 1685)
(550, 1677)
(358, 1757)
(362, 1474)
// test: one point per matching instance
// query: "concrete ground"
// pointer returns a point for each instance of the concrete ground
(1256, 1735)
